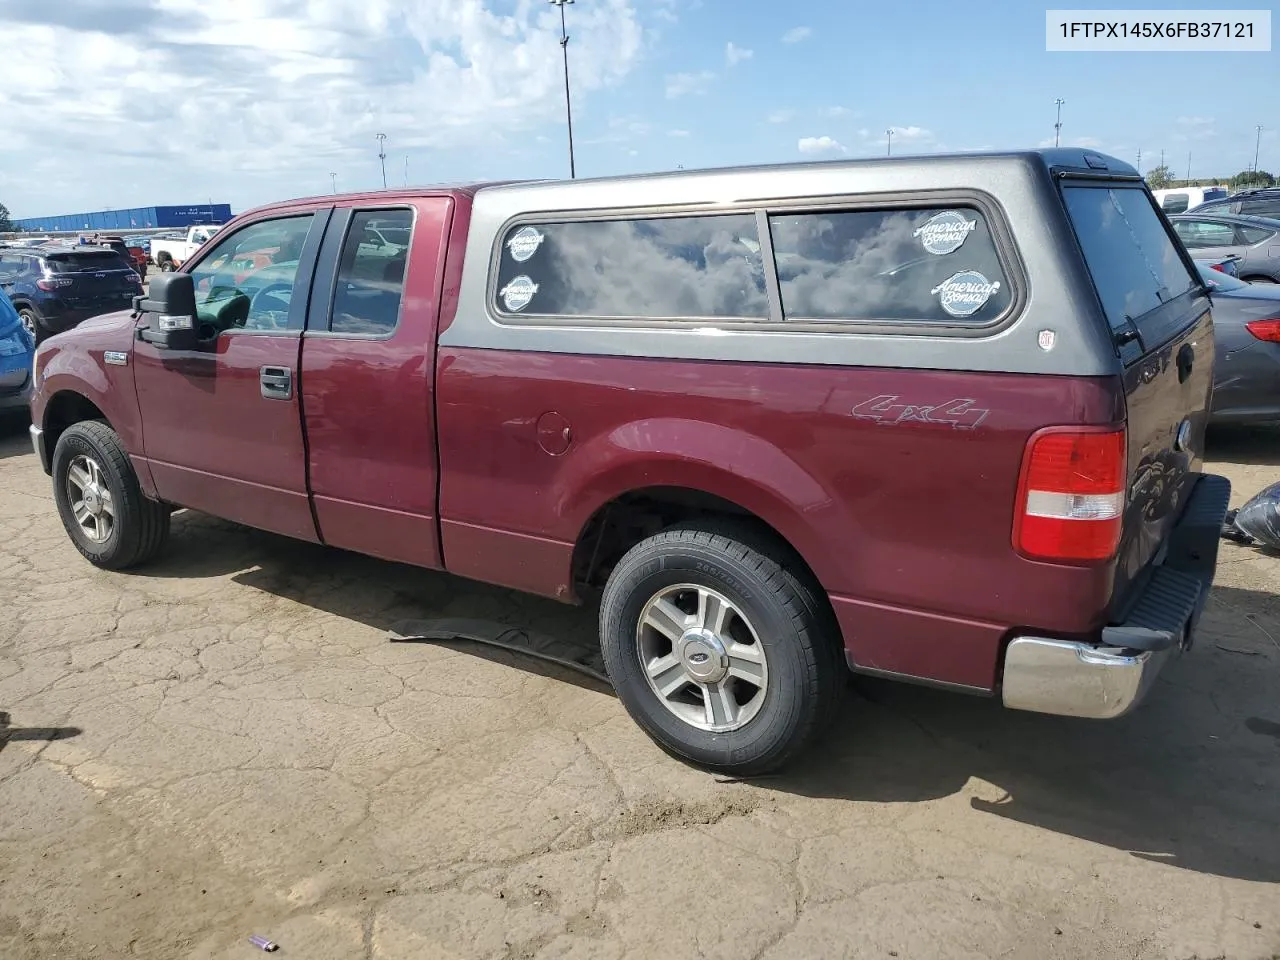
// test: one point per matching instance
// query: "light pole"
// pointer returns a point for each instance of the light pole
(889, 151)
(382, 156)
(568, 101)
(1256, 144)
(334, 178)
(1057, 126)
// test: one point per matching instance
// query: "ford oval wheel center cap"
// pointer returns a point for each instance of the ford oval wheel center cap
(703, 655)
(93, 500)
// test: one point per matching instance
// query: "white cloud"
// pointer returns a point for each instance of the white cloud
(734, 55)
(622, 130)
(839, 113)
(687, 84)
(677, 133)
(251, 100)
(796, 34)
(816, 145)
(911, 133)
(781, 116)
(1195, 121)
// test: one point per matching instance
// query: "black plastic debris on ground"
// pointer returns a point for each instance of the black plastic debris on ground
(1258, 521)
(581, 659)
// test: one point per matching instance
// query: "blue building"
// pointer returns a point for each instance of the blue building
(135, 218)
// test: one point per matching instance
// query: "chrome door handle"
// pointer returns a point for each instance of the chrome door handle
(276, 383)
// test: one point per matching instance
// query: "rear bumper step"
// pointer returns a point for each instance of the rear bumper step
(1107, 680)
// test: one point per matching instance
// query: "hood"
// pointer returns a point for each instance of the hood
(117, 319)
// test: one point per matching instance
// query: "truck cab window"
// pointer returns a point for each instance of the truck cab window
(366, 300)
(246, 281)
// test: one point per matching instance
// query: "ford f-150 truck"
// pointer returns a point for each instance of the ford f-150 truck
(939, 419)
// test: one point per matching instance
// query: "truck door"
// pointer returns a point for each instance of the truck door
(368, 378)
(221, 424)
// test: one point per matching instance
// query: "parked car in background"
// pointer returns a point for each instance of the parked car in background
(1246, 328)
(1227, 265)
(171, 254)
(771, 462)
(130, 254)
(1255, 240)
(17, 348)
(56, 287)
(1180, 199)
(1264, 202)
(143, 244)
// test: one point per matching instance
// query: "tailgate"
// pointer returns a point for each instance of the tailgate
(1159, 313)
(92, 279)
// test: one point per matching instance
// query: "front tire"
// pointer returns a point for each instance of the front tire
(166, 265)
(100, 502)
(720, 653)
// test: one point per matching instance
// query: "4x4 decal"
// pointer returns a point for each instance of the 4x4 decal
(958, 414)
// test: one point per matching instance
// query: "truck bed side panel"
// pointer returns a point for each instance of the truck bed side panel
(861, 469)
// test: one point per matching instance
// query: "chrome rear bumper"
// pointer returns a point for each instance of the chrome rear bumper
(1110, 678)
(1076, 679)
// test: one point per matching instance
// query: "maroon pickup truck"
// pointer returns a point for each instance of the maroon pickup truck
(939, 419)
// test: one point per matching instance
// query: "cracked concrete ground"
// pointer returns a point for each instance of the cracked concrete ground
(225, 743)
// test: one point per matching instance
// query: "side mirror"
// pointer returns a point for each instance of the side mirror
(170, 306)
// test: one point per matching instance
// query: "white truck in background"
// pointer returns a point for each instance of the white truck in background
(171, 253)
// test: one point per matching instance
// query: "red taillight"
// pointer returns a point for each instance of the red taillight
(53, 283)
(1070, 505)
(1268, 330)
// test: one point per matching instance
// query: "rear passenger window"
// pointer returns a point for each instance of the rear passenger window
(1252, 235)
(1134, 262)
(656, 268)
(371, 273)
(934, 265)
(1265, 207)
(1176, 202)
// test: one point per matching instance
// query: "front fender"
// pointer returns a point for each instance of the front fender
(73, 363)
(712, 458)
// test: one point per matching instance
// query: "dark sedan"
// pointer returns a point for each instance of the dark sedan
(1246, 327)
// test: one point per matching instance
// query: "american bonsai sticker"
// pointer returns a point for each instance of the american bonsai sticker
(524, 243)
(517, 294)
(965, 293)
(945, 232)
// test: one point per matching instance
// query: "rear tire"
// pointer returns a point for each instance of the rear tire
(166, 265)
(100, 502)
(780, 670)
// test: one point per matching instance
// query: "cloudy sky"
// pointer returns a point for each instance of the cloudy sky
(115, 103)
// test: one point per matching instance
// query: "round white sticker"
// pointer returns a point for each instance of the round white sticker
(517, 294)
(945, 232)
(965, 293)
(524, 243)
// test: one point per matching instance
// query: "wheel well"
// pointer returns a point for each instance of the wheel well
(626, 520)
(63, 410)
(1255, 277)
